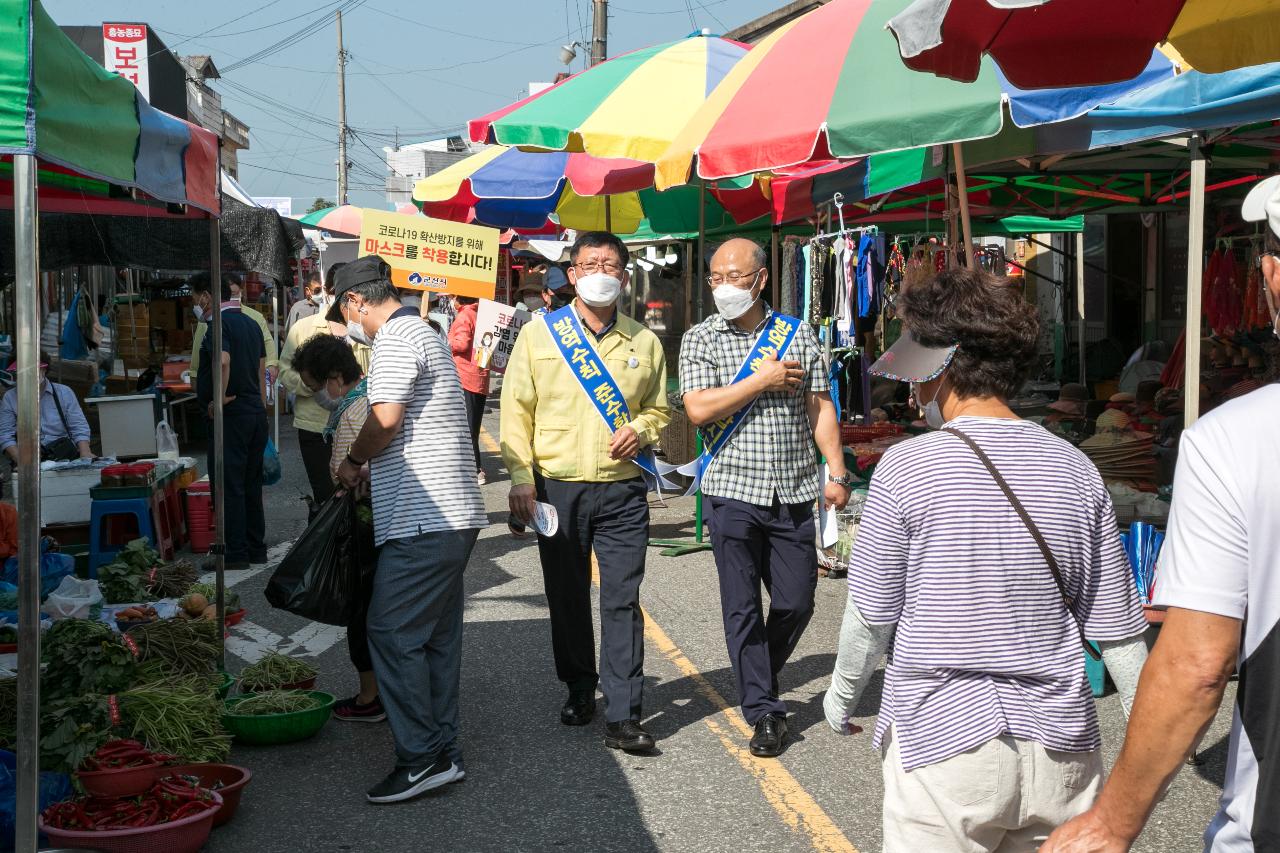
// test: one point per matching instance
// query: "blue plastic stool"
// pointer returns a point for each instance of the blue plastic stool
(139, 508)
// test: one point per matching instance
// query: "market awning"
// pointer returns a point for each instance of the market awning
(1044, 43)
(60, 105)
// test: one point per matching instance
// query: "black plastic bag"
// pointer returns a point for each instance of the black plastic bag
(323, 575)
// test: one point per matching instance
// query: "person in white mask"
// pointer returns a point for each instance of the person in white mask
(561, 451)
(761, 484)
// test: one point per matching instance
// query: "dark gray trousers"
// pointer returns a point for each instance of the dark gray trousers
(415, 637)
(612, 519)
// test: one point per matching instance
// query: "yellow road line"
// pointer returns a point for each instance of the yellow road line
(487, 442)
(794, 805)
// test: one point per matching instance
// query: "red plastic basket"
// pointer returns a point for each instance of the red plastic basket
(182, 836)
(118, 781)
(856, 433)
(232, 778)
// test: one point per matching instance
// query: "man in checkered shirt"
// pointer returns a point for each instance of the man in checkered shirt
(762, 485)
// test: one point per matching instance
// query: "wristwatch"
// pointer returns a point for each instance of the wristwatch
(354, 461)
(846, 480)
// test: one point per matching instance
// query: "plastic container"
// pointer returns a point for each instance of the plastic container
(187, 835)
(113, 476)
(118, 782)
(140, 475)
(228, 780)
(199, 504)
(271, 729)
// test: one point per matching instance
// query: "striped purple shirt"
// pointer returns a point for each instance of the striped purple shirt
(984, 646)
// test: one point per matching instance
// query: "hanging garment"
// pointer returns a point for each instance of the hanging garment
(869, 276)
(845, 295)
(787, 285)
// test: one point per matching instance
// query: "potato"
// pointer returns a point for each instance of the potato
(195, 604)
(210, 613)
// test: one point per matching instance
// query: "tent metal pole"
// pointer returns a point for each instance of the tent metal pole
(702, 251)
(1195, 278)
(775, 273)
(962, 190)
(1080, 302)
(27, 352)
(219, 436)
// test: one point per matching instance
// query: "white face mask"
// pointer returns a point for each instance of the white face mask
(356, 333)
(732, 302)
(599, 290)
(533, 303)
(932, 411)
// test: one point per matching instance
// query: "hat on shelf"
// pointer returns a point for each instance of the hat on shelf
(1147, 390)
(1168, 400)
(1072, 399)
(1122, 397)
(1112, 419)
(1263, 202)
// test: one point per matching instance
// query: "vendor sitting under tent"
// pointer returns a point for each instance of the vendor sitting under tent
(64, 432)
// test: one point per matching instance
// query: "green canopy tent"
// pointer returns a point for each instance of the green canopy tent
(63, 112)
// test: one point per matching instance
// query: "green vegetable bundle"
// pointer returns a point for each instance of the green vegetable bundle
(171, 580)
(274, 702)
(122, 583)
(82, 656)
(139, 554)
(71, 730)
(185, 647)
(274, 670)
(183, 720)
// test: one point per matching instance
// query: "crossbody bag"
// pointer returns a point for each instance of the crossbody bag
(1035, 534)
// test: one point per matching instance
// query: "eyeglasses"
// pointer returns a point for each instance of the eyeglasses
(593, 267)
(734, 278)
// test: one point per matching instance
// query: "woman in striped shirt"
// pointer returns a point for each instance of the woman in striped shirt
(987, 728)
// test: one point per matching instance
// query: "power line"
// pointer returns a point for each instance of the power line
(306, 177)
(405, 102)
(440, 29)
(315, 26)
(252, 30)
(613, 8)
(219, 26)
(723, 27)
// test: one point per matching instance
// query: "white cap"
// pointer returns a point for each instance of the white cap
(1263, 202)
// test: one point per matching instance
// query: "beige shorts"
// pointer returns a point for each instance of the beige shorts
(1004, 796)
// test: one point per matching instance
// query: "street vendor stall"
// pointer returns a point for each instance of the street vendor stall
(59, 107)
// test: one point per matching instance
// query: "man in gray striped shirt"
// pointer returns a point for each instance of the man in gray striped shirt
(427, 512)
(987, 728)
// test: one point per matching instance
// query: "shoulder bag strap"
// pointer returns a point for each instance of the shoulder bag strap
(62, 416)
(1033, 530)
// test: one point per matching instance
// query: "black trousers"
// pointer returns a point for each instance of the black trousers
(244, 440)
(315, 459)
(475, 415)
(612, 519)
(773, 545)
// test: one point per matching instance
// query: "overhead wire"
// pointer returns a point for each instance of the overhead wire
(253, 29)
(294, 38)
(268, 4)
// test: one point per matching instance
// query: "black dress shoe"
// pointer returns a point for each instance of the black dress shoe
(628, 735)
(770, 734)
(578, 710)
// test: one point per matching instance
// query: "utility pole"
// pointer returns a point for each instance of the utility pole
(600, 31)
(342, 117)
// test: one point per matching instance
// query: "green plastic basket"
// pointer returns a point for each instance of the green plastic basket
(225, 685)
(270, 729)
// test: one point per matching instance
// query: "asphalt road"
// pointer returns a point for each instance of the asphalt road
(535, 785)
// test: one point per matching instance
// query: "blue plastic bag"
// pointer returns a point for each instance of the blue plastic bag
(270, 464)
(54, 788)
(53, 568)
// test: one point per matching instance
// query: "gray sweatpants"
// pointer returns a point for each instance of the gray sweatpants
(415, 637)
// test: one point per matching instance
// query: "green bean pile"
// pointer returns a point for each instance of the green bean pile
(274, 670)
(183, 720)
(274, 702)
(187, 647)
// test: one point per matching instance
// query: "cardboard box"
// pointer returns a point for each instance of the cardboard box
(164, 314)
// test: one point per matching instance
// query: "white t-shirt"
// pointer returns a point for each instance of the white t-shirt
(425, 479)
(1222, 556)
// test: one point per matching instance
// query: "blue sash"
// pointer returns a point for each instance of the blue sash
(600, 387)
(774, 341)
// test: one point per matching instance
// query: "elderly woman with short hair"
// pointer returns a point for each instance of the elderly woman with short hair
(987, 728)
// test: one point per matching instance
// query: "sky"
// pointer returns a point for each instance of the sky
(416, 70)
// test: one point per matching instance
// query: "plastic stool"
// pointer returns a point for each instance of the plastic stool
(138, 509)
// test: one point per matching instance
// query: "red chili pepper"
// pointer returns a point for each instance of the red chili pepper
(192, 808)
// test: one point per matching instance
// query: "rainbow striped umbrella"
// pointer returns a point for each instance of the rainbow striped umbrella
(510, 188)
(827, 85)
(631, 106)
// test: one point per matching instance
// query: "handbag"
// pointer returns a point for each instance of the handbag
(60, 449)
(1035, 534)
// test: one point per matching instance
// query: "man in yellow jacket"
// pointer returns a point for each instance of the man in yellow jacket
(560, 450)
